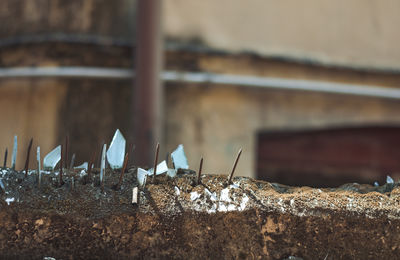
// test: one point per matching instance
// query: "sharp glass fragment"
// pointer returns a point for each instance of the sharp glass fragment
(156, 160)
(179, 158)
(103, 166)
(51, 159)
(234, 166)
(389, 179)
(199, 173)
(66, 150)
(2, 185)
(27, 157)
(171, 173)
(376, 184)
(82, 166)
(116, 151)
(71, 166)
(38, 164)
(161, 168)
(5, 158)
(135, 193)
(14, 154)
(142, 176)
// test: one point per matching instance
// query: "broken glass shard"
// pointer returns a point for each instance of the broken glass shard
(103, 163)
(38, 163)
(38, 156)
(162, 167)
(376, 184)
(116, 152)
(2, 185)
(51, 159)
(389, 179)
(179, 158)
(82, 166)
(171, 173)
(142, 176)
(14, 154)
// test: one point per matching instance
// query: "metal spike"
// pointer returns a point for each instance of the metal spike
(38, 163)
(103, 166)
(200, 169)
(234, 166)
(27, 157)
(155, 161)
(14, 154)
(5, 158)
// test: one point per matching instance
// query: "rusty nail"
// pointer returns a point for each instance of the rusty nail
(27, 157)
(61, 166)
(5, 158)
(155, 161)
(234, 166)
(123, 169)
(200, 169)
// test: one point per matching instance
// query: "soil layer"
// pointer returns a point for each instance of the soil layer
(175, 218)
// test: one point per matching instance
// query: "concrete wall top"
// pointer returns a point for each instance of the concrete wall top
(355, 33)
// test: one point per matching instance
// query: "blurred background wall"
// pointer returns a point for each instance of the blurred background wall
(313, 43)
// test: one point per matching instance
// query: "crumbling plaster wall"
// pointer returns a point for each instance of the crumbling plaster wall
(352, 33)
(215, 121)
(29, 108)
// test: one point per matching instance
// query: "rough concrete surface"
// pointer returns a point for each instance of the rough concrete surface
(175, 218)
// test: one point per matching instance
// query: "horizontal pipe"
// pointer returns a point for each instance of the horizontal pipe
(65, 72)
(203, 77)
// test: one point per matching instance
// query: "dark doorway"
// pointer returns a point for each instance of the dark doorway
(329, 157)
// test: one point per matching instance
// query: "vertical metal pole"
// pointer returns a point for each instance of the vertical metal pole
(148, 92)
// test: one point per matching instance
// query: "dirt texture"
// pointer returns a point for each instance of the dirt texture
(175, 218)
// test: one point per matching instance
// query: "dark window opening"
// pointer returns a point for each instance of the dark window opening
(329, 157)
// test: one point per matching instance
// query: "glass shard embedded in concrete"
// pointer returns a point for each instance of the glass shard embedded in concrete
(52, 158)
(103, 163)
(179, 158)
(116, 151)
(14, 154)
(82, 166)
(162, 167)
(142, 176)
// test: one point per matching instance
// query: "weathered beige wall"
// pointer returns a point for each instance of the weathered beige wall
(29, 108)
(80, 17)
(214, 121)
(356, 33)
